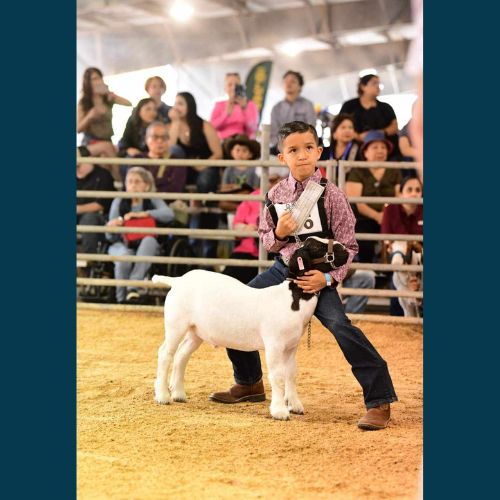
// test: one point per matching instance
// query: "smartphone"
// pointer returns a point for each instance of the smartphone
(239, 91)
(101, 88)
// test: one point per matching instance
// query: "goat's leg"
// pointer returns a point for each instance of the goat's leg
(190, 343)
(165, 356)
(291, 397)
(276, 367)
(173, 337)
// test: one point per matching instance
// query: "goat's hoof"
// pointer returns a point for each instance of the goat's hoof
(296, 409)
(280, 414)
(179, 397)
(165, 400)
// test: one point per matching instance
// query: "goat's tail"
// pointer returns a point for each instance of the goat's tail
(166, 280)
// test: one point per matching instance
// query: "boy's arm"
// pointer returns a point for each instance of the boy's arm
(267, 235)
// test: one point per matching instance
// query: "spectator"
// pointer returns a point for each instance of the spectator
(343, 146)
(371, 114)
(239, 178)
(92, 211)
(167, 179)
(373, 181)
(293, 107)
(198, 139)
(155, 86)
(247, 219)
(94, 113)
(123, 210)
(405, 219)
(133, 141)
(235, 115)
(357, 278)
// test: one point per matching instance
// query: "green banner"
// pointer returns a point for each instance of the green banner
(257, 83)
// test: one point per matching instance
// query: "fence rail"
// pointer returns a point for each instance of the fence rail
(221, 234)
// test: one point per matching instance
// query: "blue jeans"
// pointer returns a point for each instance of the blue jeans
(132, 270)
(367, 365)
(360, 279)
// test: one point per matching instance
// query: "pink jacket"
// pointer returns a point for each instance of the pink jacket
(248, 212)
(240, 121)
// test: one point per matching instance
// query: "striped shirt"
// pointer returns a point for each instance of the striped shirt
(338, 212)
(285, 111)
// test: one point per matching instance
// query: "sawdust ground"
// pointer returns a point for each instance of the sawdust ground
(131, 448)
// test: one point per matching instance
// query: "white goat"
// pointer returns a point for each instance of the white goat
(218, 309)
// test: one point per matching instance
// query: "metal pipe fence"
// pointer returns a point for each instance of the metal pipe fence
(229, 234)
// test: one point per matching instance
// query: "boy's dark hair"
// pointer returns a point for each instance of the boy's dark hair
(295, 127)
(297, 75)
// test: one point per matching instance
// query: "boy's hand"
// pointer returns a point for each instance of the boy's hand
(286, 225)
(312, 281)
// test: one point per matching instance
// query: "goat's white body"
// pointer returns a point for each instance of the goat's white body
(218, 309)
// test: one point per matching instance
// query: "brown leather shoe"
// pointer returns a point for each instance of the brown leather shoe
(376, 418)
(240, 393)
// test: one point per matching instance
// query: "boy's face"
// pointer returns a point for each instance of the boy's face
(300, 154)
(240, 152)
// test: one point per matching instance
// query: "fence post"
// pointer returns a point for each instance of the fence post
(264, 180)
(341, 184)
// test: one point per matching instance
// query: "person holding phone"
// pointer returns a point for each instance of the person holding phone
(94, 113)
(237, 114)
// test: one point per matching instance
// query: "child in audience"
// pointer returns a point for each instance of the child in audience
(155, 86)
(240, 178)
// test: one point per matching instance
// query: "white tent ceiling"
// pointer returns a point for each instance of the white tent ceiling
(339, 38)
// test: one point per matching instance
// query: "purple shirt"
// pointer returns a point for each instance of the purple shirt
(338, 213)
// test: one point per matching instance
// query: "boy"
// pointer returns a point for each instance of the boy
(155, 86)
(331, 218)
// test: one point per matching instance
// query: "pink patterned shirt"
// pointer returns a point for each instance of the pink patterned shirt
(338, 212)
(240, 121)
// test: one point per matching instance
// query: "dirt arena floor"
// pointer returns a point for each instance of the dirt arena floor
(131, 448)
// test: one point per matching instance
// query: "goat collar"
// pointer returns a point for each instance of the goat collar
(328, 258)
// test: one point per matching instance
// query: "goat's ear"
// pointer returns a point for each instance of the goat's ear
(300, 259)
(341, 254)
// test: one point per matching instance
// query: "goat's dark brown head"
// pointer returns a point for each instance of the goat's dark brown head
(314, 255)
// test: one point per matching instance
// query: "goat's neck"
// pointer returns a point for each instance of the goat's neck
(297, 295)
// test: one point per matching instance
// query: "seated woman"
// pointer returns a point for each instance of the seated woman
(94, 115)
(371, 114)
(405, 219)
(373, 181)
(122, 210)
(133, 141)
(235, 115)
(343, 145)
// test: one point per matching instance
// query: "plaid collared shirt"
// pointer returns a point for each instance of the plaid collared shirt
(338, 212)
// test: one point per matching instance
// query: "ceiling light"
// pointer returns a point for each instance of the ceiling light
(181, 11)
(290, 48)
(366, 37)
